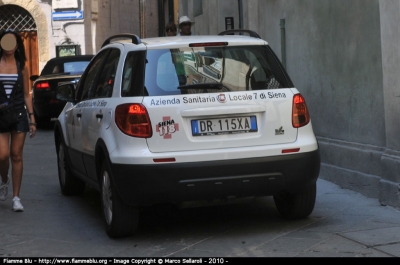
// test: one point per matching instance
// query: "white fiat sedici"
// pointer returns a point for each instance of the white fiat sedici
(183, 119)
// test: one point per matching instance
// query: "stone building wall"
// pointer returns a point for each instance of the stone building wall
(343, 57)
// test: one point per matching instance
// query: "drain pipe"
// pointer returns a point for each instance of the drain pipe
(240, 14)
(161, 22)
(283, 42)
(142, 8)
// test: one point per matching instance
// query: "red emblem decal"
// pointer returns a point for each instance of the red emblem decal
(221, 98)
(167, 127)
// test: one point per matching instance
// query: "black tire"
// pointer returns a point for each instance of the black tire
(121, 219)
(70, 185)
(296, 205)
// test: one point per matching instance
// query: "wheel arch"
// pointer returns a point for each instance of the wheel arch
(57, 135)
(101, 154)
(60, 133)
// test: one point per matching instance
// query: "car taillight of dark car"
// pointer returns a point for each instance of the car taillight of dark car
(42, 86)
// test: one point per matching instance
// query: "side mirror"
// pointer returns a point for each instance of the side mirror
(66, 91)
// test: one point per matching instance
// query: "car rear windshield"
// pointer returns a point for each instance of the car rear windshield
(65, 67)
(205, 70)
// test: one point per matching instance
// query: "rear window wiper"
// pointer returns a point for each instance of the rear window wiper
(203, 86)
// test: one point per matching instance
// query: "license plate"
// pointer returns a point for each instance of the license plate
(224, 126)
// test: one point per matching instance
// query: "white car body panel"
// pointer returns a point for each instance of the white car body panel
(271, 112)
(131, 151)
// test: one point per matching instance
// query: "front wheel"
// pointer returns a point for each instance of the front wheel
(296, 205)
(70, 185)
(121, 218)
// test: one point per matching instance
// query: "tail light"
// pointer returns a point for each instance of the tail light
(300, 116)
(42, 85)
(133, 119)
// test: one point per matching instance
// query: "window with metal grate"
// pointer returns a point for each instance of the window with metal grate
(17, 18)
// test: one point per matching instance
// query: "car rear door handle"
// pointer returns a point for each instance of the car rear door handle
(99, 116)
(79, 115)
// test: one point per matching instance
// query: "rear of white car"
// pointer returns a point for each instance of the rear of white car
(198, 118)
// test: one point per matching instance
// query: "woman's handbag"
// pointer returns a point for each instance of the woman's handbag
(8, 116)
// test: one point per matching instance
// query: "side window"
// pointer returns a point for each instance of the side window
(133, 75)
(127, 77)
(106, 80)
(88, 81)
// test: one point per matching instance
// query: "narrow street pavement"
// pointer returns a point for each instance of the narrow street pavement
(343, 224)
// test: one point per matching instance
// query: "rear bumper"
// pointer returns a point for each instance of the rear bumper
(148, 184)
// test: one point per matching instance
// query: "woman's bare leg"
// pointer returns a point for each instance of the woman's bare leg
(16, 154)
(4, 155)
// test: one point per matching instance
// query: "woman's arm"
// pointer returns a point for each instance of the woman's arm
(28, 103)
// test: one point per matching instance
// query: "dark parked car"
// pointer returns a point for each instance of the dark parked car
(45, 104)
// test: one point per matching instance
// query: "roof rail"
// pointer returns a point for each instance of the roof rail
(233, 31)
(135, 39)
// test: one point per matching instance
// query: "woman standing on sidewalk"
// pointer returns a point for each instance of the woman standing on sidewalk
(14, 79)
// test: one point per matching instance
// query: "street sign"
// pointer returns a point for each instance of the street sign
(66, 15)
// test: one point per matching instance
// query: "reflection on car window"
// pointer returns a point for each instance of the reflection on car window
(105, 84)
(235, 68)
(86, 85)
(166, 77)
(132, 77)
(58, 69)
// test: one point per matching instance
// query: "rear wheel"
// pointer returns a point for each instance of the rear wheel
(121, 218)
(70, 185)
(296, 205)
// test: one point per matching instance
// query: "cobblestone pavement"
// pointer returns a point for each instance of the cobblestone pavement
(343, 224)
